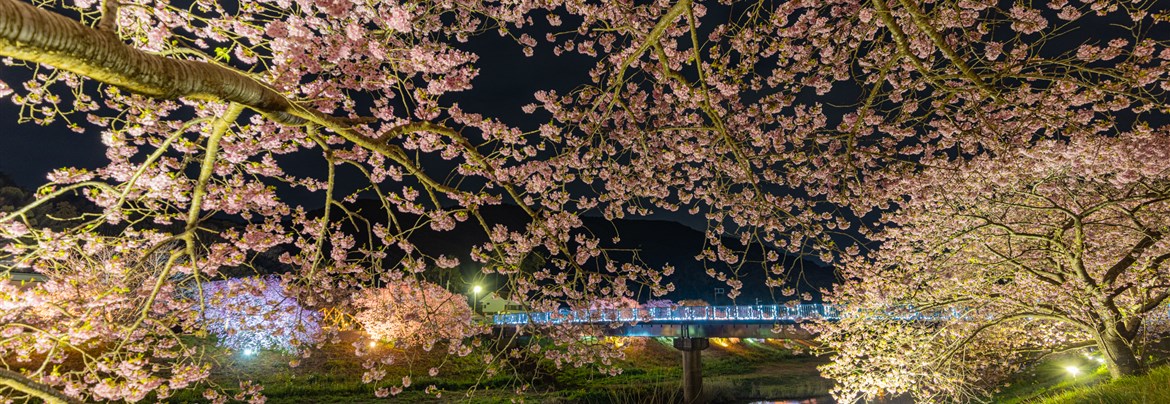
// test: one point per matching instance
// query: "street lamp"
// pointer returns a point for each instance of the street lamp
(475, 298)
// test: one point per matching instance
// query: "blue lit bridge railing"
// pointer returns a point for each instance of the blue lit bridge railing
(679, 314)
(775, 313)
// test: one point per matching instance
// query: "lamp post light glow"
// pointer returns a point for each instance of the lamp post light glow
(475, 298)
(1072, 370)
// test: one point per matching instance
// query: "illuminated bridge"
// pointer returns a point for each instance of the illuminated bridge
(756, 321)
(691, 326)
(708, 321)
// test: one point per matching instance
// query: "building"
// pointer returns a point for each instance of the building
(494, 304)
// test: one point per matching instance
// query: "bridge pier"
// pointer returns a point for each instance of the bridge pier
(692, 360)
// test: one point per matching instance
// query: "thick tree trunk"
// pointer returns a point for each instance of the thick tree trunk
(41, 36)
(37, 35)
(1119, 355)
(18, 382)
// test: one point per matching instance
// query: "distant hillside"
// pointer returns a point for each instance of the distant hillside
(6, 181)
(662, 242)
(656, 243)
(60, 213)
(13, 197)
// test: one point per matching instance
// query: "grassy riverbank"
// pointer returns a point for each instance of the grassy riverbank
(1151, 388)
(739, 371)
(736, 372)
(1052, 383)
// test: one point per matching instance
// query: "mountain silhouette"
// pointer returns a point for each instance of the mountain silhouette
(654, 243)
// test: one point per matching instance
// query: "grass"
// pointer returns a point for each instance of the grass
(1050, 383)
(1050, 378)
(735, 373)
(1151, 388)
(651, 373)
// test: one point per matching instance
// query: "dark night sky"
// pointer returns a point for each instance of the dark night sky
(506, 82)
(29, 151)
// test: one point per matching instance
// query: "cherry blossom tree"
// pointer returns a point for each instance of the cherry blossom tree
(412, 312)
(779, 123)
(659, 304)
(257, 313)
(1053, 247)
(82, 334)
(614, 304)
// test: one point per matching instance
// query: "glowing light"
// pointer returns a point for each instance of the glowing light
(725, 342)
(249, 352)
(476, 289)
(1072, 370)
(373, 344)
(617, 342)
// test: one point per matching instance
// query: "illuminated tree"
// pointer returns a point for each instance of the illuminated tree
(778, 122)
(660, 304)
(411, 312)
(81, 333)
(257, 313)
(1057, 246)
(618, 304)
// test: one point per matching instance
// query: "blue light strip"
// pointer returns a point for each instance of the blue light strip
(774, 313)
(689, 314)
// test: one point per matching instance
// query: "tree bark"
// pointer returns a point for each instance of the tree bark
(1119, 355)
(19, 382)
(37, 35)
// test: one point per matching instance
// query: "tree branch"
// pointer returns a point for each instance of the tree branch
(940, 42)
(19, 382)
(37, 35)
(1131, 257)
(109, 19)
(903, 44)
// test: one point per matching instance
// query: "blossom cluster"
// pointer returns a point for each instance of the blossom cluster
(251, 314)
(780, 129)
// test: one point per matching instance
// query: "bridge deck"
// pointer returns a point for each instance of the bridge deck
(754, 321)
(769, 314)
